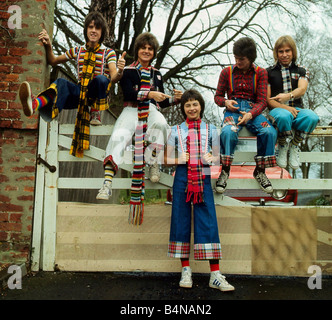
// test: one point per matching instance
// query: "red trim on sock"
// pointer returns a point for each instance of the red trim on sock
(185, 263)
(214, 266)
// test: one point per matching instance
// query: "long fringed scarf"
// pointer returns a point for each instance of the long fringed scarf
(138, 184)
(81, 135)
(195, 186)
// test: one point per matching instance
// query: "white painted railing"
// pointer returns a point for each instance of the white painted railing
(53, 136)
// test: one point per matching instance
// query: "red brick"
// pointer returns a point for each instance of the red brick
(11, 188)
(19, 52)
(4, 198)
(10, 77)
(3, 178)
(15, 217)
(8, 95)
(25, 198)
(23, 169)
(3, 216)
(10, 226)
(10, 114)
(5, 69)
(10, 60)
(8, 207)
(3, 236)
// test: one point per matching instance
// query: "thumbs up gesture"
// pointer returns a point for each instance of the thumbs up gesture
(121, 62)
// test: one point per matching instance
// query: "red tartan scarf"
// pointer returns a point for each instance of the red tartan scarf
(138, 183)
(195, 174)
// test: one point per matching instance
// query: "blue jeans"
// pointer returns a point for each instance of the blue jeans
(259, 126)
(305, 121)
(206, 234)
(68, 94)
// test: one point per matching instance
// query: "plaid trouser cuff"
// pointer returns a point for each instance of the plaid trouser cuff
(266, 162)
(109, 160)
(177, 249)
(226, 161)
(207, 251)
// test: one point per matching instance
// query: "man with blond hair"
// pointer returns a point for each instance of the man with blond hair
(288, 82)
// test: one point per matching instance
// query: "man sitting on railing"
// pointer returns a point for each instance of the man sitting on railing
(143, 94)
(96, 69)
(288, 82)
(246, 88)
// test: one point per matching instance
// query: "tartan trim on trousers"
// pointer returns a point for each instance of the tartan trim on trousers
(177, 249)
(101, 103)
(207, 251)
(266, 162)
(109, 160)
(226, 160)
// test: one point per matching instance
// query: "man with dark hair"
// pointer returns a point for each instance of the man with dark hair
(143, 95)
(245, 85)
(96, 69)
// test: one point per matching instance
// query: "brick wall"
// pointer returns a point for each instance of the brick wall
(22, 57)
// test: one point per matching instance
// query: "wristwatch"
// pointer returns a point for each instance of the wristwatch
(291, 96)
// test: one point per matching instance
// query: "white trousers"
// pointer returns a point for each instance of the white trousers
(124, 130)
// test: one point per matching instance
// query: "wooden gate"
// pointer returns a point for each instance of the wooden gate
(77, 236)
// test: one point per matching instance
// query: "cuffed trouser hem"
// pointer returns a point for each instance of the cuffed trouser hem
(266, 161)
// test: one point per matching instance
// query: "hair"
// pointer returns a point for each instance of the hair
(282, 41)
(142, 40)
(245, 47)
(99, 22)
(192, 94)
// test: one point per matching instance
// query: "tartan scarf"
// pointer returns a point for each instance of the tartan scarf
(138, 184)
(195, 174)
(286, 81)
(81, 135)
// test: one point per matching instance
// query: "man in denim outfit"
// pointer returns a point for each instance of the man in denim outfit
(245, 85)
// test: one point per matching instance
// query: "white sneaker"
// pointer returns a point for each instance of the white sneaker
(218, 281)
(154, 173)
(186, 280)
(105, 191)
(221, 183)
(26, 98)
(282, 155)
(294, 157)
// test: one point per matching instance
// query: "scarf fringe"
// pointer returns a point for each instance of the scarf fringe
(197, 197)
(136, 213)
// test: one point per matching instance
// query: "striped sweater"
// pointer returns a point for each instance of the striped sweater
(103, 57)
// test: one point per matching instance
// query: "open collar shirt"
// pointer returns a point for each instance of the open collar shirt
(243, 88)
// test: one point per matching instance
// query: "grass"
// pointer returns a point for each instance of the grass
(151, 196)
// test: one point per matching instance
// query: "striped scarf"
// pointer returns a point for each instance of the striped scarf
(81, 135)
(138, 184)
(195, 175)
(286, 81)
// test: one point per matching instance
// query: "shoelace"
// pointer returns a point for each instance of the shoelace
(264, 180)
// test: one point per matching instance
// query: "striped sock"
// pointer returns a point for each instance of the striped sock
(109, 173)
(42, 100)
(214, 265)
(185, 262)
(282, 141)
(297, 139)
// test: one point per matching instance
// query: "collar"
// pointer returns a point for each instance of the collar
(278, 65)
(252, 67)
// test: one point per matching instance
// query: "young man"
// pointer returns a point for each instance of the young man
(288, 82)
(96, 69)
(246, 87)
(143, 95)
(191, 146)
